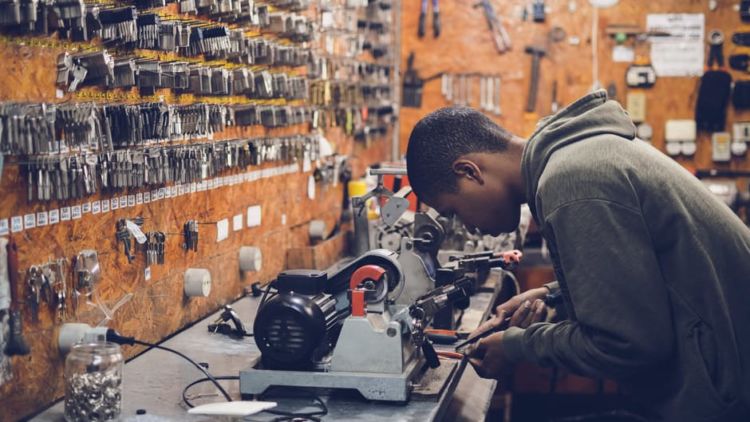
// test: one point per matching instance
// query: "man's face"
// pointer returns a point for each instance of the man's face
(489, 206)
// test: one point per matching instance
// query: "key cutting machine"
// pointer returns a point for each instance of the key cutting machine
(344, 330)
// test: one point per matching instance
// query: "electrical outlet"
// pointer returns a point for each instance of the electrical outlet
(741, 131)
(721, 147)
(636, 104)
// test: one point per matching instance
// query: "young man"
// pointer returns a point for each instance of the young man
(654, 270)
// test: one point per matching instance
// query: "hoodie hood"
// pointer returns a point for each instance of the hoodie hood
(590, 116)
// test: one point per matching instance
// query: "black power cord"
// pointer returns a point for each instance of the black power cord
(283, 415)
(114, 337)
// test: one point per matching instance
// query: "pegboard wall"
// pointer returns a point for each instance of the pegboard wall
(465, 46)
(248, 88)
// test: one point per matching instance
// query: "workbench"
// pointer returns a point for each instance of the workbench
(154, 380)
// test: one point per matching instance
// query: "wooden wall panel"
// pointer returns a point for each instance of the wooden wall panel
(465, 46)
(157, 307)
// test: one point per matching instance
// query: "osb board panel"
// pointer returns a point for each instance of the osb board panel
(465, 46)
(322, 255)
(157, 307)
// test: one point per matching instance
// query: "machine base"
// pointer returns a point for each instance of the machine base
(373, 386)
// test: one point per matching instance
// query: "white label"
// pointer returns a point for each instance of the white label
(42, 218)
(123, 201)
(54, 217)
(253, 216)
(131, 200)
(681, 53)
(96, 207)
(174, 191)
(283, 219)
(147, 273)
(114, 203)
(139, 198)
(4, 227)
(326, 19)
(76, 212)
(105, 206)
(146, 197)
(161, 193)
(16, 224)
(623, 54)
(237, 222)
(86, 207)
(64, 213)
(136, 231)
(306, 166)
(210, 183)
(29, 221)
(193, 187)
(181, 190)
(222, 230)
(154, 195)
(311, 187)
(59, 93)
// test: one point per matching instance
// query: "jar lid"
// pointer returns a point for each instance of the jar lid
(100, 348)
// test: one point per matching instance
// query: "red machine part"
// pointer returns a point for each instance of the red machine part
(361, 275)
(358, 303)
(364, 273)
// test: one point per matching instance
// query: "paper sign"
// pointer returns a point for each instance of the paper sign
(682, 53)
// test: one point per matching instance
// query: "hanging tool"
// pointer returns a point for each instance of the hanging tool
(435, 19)
(538, 11)
(496, 95)
(413, 84)
(641, 74)
(555, 105)
(537, 52)
(499, 33)
(16, 343)
(715, 88)
(716, 48)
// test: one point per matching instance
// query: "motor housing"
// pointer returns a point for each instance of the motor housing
(300, 324)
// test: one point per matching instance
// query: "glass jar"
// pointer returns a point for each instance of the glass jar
(93, 382)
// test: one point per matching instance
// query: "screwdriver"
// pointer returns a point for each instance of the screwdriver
(493, 330)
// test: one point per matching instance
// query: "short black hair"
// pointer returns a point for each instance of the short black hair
(442, 137)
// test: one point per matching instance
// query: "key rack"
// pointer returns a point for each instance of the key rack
(182, 113)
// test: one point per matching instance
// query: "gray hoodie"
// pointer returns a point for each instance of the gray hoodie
(654, 270)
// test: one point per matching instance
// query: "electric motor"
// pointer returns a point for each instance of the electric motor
(300, 324)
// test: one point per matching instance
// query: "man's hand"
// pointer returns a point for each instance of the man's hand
(514, 303)
(487, 354)
(488, 357)
(526, 314)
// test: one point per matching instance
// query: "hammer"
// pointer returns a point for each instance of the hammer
(16, 343)
(537, 52)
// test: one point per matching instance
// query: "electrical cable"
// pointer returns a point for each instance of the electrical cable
(283, 415)
(265, 294)
(114, 337)
(200, 381)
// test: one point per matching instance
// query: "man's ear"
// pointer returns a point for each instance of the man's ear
(468, 169)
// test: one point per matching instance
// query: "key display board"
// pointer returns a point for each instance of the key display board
(131, 129)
